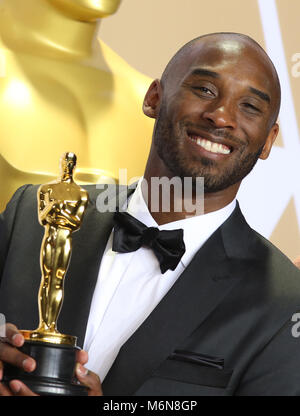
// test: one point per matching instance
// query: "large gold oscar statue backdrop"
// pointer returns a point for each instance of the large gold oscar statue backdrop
(62, 88)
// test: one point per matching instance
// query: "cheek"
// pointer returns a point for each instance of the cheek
(255, 131)
(186, 110)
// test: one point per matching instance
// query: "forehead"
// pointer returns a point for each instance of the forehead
(235, 59)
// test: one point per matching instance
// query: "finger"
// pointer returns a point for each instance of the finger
(13, 335)
(1, 370)
(12, 355)
(4, 390)
(90, 380)
(20, 389)
(82, 357)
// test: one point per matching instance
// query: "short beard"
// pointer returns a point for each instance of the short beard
(169, 148)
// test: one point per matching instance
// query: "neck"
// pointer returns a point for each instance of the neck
(188, 201)
(37, 27)
(67, 178)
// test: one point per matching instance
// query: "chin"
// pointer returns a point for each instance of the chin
(86, 10)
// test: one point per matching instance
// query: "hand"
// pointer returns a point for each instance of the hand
(87, 377)
(10, 354)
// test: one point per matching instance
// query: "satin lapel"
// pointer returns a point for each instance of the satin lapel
(88, 246)
(201, 287)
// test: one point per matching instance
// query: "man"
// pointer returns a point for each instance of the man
(220, 321)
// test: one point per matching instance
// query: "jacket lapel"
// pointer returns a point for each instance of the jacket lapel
(88, 246)
(213, 272)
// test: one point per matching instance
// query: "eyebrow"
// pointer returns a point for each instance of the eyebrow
(264, 96)
(205, 72)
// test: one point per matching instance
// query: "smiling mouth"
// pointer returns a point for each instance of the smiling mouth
(210, 146)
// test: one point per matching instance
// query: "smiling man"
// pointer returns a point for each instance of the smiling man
(219, 99)
(173, 303)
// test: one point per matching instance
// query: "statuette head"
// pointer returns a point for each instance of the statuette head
(68, 163)
(86, 10)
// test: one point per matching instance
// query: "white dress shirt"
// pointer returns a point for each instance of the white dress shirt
(130, 285)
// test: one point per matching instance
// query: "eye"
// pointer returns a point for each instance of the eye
(251, 108)
(204, 91)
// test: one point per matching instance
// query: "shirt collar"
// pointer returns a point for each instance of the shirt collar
(196, 229)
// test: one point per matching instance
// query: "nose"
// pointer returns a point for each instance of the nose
(220, 115)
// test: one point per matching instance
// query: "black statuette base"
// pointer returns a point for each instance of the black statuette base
(55, 370)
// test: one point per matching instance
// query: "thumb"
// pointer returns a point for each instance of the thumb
(90, 380)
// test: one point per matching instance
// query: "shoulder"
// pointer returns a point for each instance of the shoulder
(280, 269)
(26, 194)
(277, 275)
(269, 270)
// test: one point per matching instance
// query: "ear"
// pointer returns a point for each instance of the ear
(152, 99)
(269, 142)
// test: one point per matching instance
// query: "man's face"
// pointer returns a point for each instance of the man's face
(87, 10)
(216, 115)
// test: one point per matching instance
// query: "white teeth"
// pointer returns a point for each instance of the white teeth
(210, 146)
(215, 148)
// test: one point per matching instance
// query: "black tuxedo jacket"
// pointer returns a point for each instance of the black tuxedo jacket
(224, 328)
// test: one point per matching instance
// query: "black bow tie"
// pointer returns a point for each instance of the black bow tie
(130, 234)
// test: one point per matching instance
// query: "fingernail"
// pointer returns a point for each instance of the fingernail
(81, 370)
(29, 364)
(15, 386)
(15, 340)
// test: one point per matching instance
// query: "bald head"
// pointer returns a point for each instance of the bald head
(216, 108)
(229, 46)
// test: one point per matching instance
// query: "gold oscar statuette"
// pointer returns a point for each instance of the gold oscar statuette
(61, 208)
